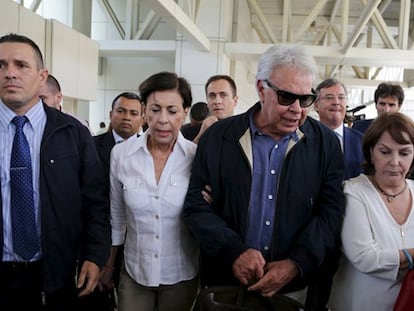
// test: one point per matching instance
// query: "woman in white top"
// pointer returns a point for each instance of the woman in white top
(149, 180)
(378, 229)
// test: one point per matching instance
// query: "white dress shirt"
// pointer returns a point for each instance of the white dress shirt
(158, 247)
(339, 131)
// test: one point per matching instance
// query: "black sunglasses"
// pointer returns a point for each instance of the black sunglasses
(287, 98)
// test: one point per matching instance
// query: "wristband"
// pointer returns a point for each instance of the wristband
(409, 259)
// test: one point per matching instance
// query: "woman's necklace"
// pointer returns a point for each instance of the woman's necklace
(389, 196)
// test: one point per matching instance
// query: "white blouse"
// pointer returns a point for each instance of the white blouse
(368, 277)
(146, 216)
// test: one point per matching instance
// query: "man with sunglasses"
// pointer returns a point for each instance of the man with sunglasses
(276, 203)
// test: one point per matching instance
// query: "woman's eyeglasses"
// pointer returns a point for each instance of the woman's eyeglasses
(286, 98)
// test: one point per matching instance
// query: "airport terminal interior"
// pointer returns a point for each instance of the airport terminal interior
(100, 48)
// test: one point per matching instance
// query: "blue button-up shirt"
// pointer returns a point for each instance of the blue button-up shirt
(33, 131)
(268, 156)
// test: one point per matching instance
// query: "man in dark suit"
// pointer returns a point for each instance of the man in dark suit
(221, 93)
(126, 118)
(61, 198)
(331, 107)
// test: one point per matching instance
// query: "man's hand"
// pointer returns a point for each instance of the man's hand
(277, 274)
(248, 268)
(207, 122)
(206, 193)
(106, 281)
(90, 274)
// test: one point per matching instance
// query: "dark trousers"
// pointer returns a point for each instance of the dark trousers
(22, 289)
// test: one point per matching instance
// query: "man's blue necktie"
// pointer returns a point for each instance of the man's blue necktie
(25, 238)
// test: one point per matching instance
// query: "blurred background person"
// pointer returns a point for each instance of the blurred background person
(331, 106)
(149, 181)
(378, 229)
(198, 113)
(126, 117)
(51, 94)
(388, 97)
(221, 94)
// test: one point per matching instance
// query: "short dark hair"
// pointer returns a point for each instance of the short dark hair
(395, 124)
(199, 111)
(128, 95)
(389, 89)
(328, 83)
(15, 38)
(53, 84)
(164, 81)
(222, 77)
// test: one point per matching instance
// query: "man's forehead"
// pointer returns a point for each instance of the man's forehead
(388, 100)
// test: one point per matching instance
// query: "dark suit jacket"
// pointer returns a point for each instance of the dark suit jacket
(362, 125)
(190, 131)
(104, 144)
(353, 156)
(74, 209)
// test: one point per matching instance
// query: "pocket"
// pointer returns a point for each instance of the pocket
(135, 192)
(176, 190)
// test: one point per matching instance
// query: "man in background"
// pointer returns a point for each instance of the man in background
(198, 113)
(51, 94)
(331, 103)
(126, 117)
(221, 93)
(388, 97)
(331, 106)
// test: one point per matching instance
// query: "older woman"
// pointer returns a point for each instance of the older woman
(149, 180)
(378, 229)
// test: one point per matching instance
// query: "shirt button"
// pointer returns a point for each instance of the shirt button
(157, 236)
(156, 197)
(156, 256)
(267, 222)
(276, 146)
(272, 172)
(266, 248)
(270, 197)
(52, 161)
(157, 216)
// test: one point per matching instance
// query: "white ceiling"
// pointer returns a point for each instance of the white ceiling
(351, 39)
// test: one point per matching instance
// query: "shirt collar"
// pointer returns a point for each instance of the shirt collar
(339, 131)
(7, 115)
(255, 131)
(118, 139)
